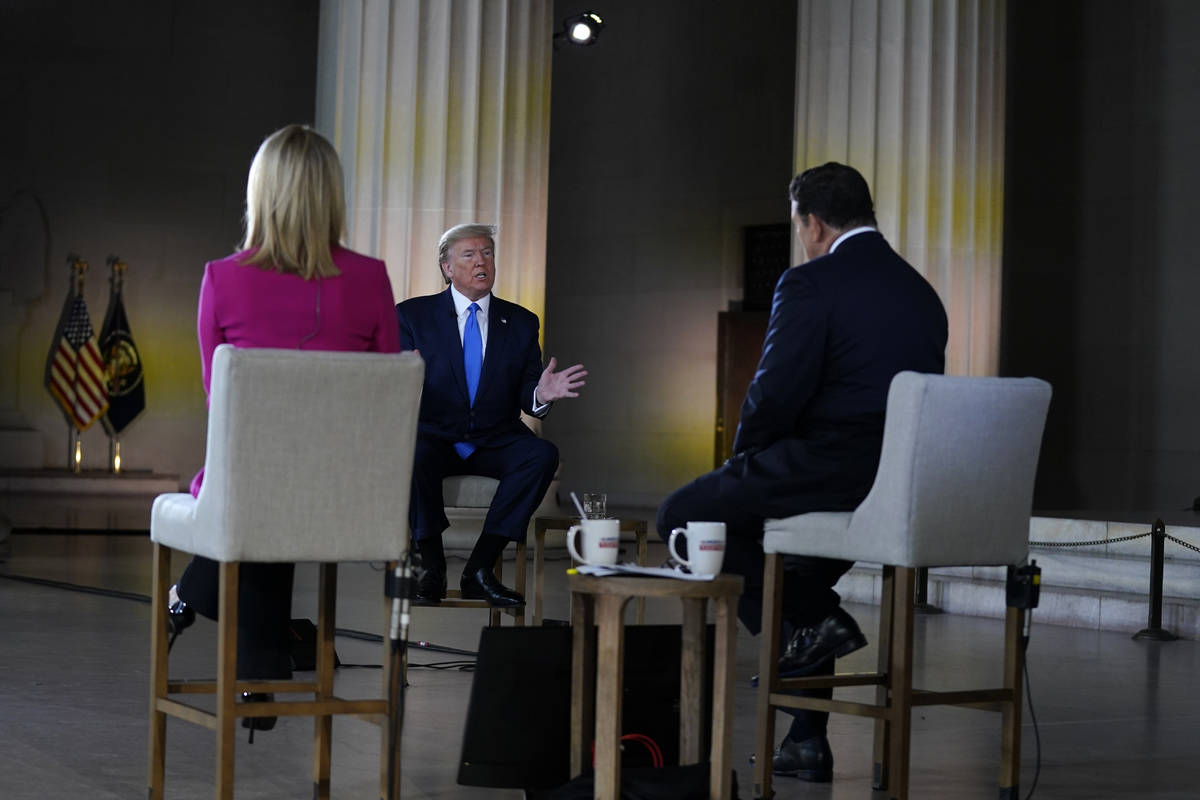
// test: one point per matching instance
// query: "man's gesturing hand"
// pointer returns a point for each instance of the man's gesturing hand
(557, 385)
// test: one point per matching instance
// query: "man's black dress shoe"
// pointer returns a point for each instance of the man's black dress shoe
(482, 585)
(810, 760)
(431, 587)
(835, 636)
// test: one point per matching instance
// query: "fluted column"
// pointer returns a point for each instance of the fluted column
(911, 93)
(440, 110)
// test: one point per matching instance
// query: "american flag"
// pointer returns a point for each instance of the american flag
(76, 371)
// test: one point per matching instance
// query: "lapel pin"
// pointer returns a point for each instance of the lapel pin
(503, 320)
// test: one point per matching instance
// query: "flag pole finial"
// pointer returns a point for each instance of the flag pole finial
(78, 267)
(118, 267)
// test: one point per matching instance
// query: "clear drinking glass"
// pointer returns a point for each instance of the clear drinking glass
(595, 505)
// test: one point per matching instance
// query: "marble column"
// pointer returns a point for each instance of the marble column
(911, 93)
(440, 110)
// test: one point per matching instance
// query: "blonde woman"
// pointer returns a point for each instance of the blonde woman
(291, 285)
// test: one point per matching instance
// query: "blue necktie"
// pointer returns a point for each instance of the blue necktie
(472, 365)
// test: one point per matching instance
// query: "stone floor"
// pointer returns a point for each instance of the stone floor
(1117, 718)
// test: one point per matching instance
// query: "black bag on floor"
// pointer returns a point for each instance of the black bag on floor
(648, 783)
(518, 729)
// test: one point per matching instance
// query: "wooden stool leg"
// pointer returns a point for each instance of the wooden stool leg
(227, 623)
(768, 658)
(323, 723)
(158, 668)
(521, 555)
(610, 661)
(721, 747)
(391, 692)
(900, 676)
(887, 596)
(539, 571)
(692, 701)
(583, 675)
(494, 613)
(1010, 760)
(640, 533)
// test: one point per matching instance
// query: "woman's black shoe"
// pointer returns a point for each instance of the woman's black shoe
(258, 723)
(179, 618)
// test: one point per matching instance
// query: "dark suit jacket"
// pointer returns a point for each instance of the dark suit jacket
(512, 365)
(841, 327)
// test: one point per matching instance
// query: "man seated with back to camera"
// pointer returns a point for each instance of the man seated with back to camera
(811, 426)
(483, 367)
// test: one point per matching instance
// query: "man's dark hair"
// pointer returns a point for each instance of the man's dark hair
(836, 193)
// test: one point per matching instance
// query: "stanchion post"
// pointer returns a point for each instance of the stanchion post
(1154, 629)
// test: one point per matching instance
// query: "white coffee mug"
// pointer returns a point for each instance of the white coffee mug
(600, 541)
(705, 545)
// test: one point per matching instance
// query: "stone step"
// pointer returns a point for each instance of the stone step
(1104, 585)
(1075, 608)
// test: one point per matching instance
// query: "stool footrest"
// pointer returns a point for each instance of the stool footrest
(821, 704)
(209, 686)
(186, 712)
(454, 599)
(833, 681)
(302, 708)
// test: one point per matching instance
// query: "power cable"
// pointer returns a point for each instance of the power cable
(137, 597)
(1037, 737)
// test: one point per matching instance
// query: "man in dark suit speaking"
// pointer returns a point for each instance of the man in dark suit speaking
(483, 367)
(811, 427)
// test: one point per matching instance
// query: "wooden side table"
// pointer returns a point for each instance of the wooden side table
(542, 524)
(602, 601)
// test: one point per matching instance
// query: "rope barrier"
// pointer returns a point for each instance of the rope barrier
(1182, 543)
(1092, 541)
(1154, 629)
(1159, 536)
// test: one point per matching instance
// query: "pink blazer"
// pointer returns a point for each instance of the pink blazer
(248, 306)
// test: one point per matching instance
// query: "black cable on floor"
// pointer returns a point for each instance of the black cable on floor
(348, 633)
(1037, 737)
(460, 666)
(75, 587)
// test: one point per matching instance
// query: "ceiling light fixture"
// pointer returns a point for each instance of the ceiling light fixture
(580, 29)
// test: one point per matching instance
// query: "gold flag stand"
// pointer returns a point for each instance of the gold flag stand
(74, 448)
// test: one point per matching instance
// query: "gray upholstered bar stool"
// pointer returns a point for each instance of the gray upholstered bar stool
(309, 459)
(954, 488)
(467, 499)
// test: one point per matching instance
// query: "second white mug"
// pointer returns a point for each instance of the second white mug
(705, 547)
(600, 541)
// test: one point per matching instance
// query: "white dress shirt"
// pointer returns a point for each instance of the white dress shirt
(462, 307)
(832, 247)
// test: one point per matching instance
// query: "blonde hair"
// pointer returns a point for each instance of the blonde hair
(295, 204)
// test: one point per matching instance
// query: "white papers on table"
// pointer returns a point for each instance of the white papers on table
(634, 569)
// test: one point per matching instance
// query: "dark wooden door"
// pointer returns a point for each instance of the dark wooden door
(739, 344)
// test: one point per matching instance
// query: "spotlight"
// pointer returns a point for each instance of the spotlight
(580, 29)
